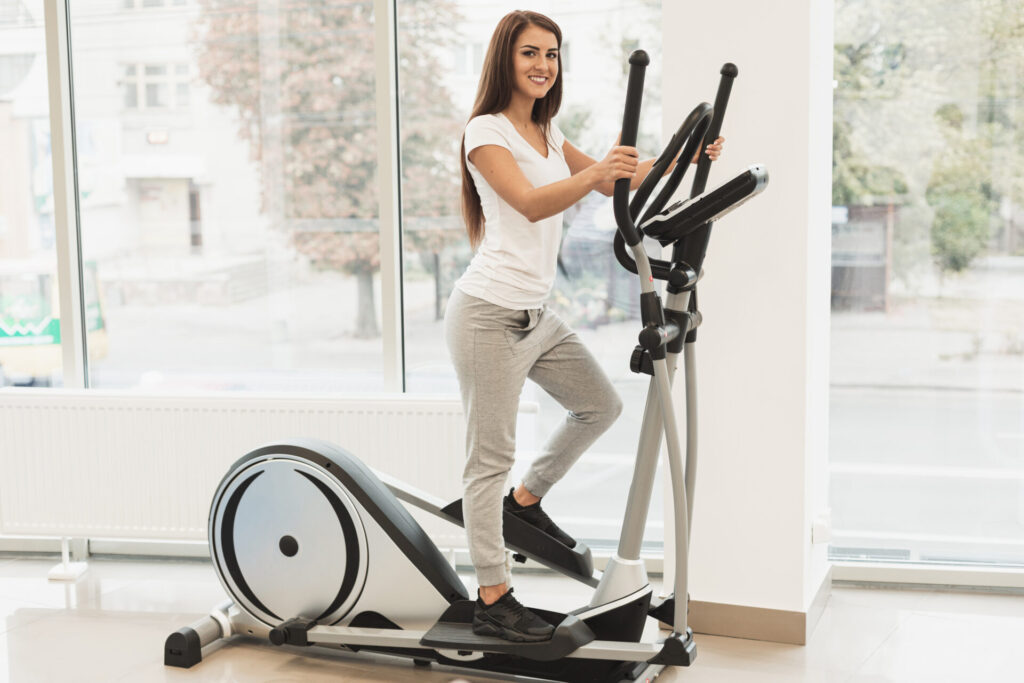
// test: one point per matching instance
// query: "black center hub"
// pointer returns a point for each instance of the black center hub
(289, 546)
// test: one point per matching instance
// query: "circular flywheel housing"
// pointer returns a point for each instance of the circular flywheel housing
(287, 541)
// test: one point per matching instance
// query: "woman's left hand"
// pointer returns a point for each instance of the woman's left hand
(714, 150)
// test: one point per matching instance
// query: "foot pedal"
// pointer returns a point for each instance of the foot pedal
(454, 631)
(529, 541)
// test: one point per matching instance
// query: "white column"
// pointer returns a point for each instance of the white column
(763, 348)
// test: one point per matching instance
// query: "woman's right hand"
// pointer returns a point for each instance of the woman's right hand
(620, 162)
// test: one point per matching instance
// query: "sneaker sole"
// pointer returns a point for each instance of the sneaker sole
(489, 628)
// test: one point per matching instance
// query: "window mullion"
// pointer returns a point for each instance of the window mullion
(388, 179)
(67, 225)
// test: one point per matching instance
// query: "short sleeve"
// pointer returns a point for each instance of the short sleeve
(485, 130)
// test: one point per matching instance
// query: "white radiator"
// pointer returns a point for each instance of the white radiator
(108, 464)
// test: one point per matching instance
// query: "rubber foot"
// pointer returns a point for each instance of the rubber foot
(72, 571)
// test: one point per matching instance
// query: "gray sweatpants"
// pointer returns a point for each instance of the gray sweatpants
(494, 349)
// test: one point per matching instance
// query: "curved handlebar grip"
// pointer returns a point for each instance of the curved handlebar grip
(693, 130)
(700, 178)
(638, 62)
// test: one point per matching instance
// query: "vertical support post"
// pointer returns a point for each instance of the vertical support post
(651, 430)
(389, 191)
(680, 507)
(690, 365)
(67, 227)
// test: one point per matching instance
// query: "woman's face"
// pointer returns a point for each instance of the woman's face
(535, 61)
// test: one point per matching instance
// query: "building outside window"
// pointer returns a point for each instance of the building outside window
(156, 86)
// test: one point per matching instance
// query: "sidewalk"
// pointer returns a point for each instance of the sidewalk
(963, 333)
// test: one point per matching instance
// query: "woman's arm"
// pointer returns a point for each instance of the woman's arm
(502, 173)
(578, 162)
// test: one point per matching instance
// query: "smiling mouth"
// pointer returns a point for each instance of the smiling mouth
(539, 80)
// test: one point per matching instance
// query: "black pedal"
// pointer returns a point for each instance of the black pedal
(454, 631)
(293, 632)
(527, 540)
(521, 559)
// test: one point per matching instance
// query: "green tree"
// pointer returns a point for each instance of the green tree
(896, 64)
(960, 194)
(302, 78)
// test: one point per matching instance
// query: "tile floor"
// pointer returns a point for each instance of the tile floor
(110, 626)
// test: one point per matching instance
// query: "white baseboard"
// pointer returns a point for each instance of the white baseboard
(1009, 579)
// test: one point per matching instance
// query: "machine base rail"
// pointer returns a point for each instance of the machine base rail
(293, 632)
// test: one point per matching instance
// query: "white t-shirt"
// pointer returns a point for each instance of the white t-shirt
(515, 264)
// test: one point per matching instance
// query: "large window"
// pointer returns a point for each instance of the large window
(30, 351)
(227, 170)
(928, 282)
(593, 293)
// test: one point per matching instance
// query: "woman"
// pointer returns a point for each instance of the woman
(519, 174)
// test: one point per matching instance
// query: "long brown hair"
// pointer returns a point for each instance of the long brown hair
(493, 95)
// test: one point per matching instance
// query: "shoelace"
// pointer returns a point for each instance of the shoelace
(514, 606)
(544, 522)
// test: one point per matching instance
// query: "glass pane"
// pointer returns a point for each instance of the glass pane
(156, 95)
(13, 69)
(18, 13)
(233, 237)
(927, 443)
(131, 95)
(30, 351)
(593, 293)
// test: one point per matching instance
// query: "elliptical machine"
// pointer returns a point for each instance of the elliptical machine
(299, 573)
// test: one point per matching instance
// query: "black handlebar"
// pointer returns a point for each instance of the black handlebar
(695, 246)
(638, 62)
(703, 123)
(700, 178)
(693, 130)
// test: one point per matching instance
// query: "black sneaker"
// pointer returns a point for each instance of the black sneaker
(532, 514)
(508, 619)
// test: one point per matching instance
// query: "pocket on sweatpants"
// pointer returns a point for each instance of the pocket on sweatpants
(521, 335)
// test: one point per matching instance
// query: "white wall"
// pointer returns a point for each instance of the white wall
(763, 349)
